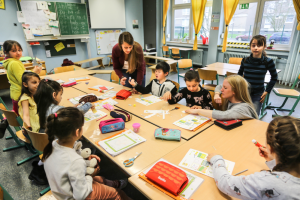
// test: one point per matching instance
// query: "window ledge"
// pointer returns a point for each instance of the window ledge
(185, 44)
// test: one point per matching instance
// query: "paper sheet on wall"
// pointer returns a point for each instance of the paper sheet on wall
(42, 5)
(53, 15)
(36, 18)
(48, 54)
(59, 46)
(21, 17)
(55, 31)
(28, 34)
(106, 40)
(197, 161)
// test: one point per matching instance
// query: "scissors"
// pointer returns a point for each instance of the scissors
(129, 162)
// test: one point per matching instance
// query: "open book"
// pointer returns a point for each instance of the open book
(192, 122)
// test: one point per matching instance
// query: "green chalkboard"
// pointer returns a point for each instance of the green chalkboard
(72, 18)
(68, 50)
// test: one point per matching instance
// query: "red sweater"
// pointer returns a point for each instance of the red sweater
(118, 58)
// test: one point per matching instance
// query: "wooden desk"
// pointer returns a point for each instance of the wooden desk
(68, 93)
(181, 49)
(156, 58)
(71, 74)
(99, 60)
(173, 68)
(234, 145)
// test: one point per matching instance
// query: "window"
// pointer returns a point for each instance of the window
(181, 23)
(182, 1)
(204, 31)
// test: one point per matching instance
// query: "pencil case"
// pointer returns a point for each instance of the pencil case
(228, 124)
(123, 94)
(110, 125)
(167, 134)
(121, 114)
(69, 84)
(169, 177)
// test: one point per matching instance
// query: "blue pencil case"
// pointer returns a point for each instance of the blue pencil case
(167, 134)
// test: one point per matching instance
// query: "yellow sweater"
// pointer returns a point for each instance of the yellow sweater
(15, 70)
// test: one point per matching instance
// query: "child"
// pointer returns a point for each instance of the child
(238, 104)
(15, 69)
(160, 85)
(66, 169)
(282, 153)
(48, 97)
(254, 69)
(27, 105)
(196, 96)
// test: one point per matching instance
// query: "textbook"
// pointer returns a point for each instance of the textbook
(192, 122)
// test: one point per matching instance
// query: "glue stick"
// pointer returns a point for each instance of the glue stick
(256, 143)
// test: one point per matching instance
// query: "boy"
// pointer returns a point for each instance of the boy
(160, 85)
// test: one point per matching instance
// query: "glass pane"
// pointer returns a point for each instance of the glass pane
(181, 23)
(182, 1)
(241, 26)
(204, 31)
(278, 21)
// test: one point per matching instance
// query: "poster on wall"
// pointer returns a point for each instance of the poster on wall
(106, 40)
(2, 6)
(135, 24)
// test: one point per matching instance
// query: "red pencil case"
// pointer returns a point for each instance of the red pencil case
(123, 94)
(69, 84)
(229, 124)
(168, 177)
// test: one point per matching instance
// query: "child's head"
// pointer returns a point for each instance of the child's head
(12, 49)
(49, 92)
(257, 45)
(283, 139)
(30, 83)
(162, 70)
(192, 80)
(66, 124)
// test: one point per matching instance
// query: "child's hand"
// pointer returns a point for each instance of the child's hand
(123, 80)
(192, 111)
(263, 96)
(218, 99)
(76, 105)
(210, 155)
(94, 156)
(196, 107)
(134, 91)
(37, 69)
(93, 106)
(167, 96)
(132, 82)
(264, 152)
(97, 170)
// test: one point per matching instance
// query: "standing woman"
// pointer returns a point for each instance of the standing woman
(128, 60)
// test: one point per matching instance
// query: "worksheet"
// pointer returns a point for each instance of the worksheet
(191, 122)
(99, 104)
(108, 94)
(197, 161)
(90, 115)
(148, 100)
(75, 100)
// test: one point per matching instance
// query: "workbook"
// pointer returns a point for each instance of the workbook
(90, 115)
(108, 94)
(75, 100)
(121, 142)
(148, 100)
(197, 161)
(187, 192)
(192, 122)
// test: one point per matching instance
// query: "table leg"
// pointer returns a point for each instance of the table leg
(156, 59)
(173, 67)
(100, 63)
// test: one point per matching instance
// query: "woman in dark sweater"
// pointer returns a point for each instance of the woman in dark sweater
(128, 60)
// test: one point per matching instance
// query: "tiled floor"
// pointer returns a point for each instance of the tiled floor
(15, 178)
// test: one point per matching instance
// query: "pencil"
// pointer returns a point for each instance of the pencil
(214, 147)
(101, 117)
(241, 172)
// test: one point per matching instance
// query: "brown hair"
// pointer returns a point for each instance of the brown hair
(261, 41)
(135, 54)
(9, 45)
(283, 135)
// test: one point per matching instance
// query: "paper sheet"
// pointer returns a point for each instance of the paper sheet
(99, 104)
(98, 87)
(28, 34)
(191, 122)
(20, 17)
(53, 15)
(59, 46)
(42, 5)
(197, 161)
(75, 100)
(55, 31)
(79, 78)
(36, 18)
(48, 54)
(148, 100)
(108, 94)
(89, 116)
(53, 24)
(37, 31)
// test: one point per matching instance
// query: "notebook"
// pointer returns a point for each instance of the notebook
(120, 142)
(79, 79)
(192, 122)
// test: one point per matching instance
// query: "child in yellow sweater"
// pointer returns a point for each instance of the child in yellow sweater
(15, 69)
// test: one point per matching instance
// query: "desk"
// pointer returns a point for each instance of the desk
(99, 60)
(156, 58)
(71, 74)
(234, 145)
(181, 49)
(173, 68)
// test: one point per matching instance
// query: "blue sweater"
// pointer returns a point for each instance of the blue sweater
(254, 71)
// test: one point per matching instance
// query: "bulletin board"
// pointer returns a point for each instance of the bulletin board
(106, 40)
(60, 47)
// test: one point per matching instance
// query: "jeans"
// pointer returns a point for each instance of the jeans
(256, 102)
(133, 76)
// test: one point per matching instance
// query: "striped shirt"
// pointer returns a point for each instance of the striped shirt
(254, 71)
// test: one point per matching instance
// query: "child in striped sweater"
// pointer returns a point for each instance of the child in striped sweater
(254, 69)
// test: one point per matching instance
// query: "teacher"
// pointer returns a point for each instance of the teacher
(128, 60)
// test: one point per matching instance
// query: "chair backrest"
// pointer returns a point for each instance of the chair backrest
(176, 84)
(230, 73)
(207, 74)
(184, 63)
(234, 60)
(11, 116)
(216, 105)
(43, 73)
(63, 69)
(38, 140)
(114, 77)
(175, 51)
(165, 48)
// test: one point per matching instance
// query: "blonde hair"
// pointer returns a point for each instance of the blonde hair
(135, 54)
(240, 87)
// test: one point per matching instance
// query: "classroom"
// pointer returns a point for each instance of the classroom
(149, 99)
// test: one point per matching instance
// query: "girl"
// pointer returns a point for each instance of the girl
(66, 169)
(27, 105)
(15, 69)
(282, 153)
(238, 104)
(128, 60)
(196, 96)
(47, 97)
(254, 69)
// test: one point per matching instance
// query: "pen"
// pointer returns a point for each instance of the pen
(241, 172)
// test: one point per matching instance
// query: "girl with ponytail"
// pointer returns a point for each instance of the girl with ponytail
(282, 153)
(65, 169)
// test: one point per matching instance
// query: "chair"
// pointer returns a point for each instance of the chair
(16, 121)
(47, 196)
(287, 93)
(234, 60)
(114, 77)
(43, 73)
(210, 75)
(215, 105)
(63, 69)
(183, 64)
(4, 195)
(165, 50)
(176, 84)
(229, 74)
(177, 54)
(110, 60)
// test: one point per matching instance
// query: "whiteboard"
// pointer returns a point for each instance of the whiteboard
(106, 40)
(106, 14)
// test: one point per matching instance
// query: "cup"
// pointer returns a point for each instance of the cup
(136, 127)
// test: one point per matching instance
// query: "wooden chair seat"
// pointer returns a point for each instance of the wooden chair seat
(63, 69)
(47, 196)
(22, 137)
(216, 105)
(176, 84)
(234, 60)
(114, 77)
(286, 92)
(209, 87)
(230, 73)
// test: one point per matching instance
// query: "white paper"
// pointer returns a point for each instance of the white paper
(89, 116)
(2, 71)
(34, 17)
(48, 53)
(42, 5)
(28, 34)
(98, 87)
(53, 15)
(46, 43)
(53, 24)
(190, 122)
(148, 100)
(46, 12)
(55, 31)
(21, 17)
(46, 31)
(108, 94)
(37, 31)
(99, 105)
(75, 100)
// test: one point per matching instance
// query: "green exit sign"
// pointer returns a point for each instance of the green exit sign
(244, 6)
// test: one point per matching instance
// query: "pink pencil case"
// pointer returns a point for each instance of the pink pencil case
(69, 84)
(110, 125)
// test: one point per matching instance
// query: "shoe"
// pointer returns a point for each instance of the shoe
(123, 183)
(38, 174)
(3, 127)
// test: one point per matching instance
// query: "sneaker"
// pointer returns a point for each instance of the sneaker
(38, 174)
(123, 183)
(3, 127)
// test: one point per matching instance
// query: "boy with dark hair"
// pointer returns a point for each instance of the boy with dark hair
(160, 85)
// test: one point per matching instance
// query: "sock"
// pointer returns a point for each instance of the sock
(40, 163)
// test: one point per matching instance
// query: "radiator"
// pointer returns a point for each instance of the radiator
(228, 55)
(197, 56)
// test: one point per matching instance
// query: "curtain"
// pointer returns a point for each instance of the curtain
(297, 9)
(198, 8)
(229, 10)
(165, 10)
